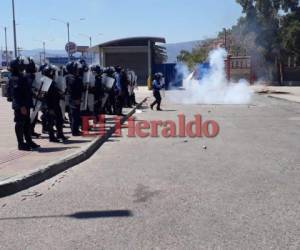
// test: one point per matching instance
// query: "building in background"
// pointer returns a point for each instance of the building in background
(58, 60)
(81, 53)
(3, 62)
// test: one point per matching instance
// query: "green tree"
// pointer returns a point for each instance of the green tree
(270, 28)
(198, 55)
(290, 33)
(183, 56)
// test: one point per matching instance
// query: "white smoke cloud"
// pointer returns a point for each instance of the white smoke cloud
(213, 88)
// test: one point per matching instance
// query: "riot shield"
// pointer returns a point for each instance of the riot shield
(108, 84)
(41, 86)
(88, 99)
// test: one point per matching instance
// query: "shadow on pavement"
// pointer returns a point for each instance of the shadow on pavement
(85, 215)
(101, 214)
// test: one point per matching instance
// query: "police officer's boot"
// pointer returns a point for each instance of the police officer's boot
(44, 123)
(50, 129)
(20, 137)
(52, 137)
(60, 134)
(33, 133)
(33, 145)
(27, 135)
(158, 106)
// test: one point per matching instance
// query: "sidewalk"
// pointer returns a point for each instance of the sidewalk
(52, 158)
(285, 93)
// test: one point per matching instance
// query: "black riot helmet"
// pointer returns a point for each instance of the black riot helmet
(42, 67)
(85, 66)
(158, 76)
(110, 71)
(97, 69)
(30, 67)
(24, 60)
(118, 69)
(48, 70)
(17, 66)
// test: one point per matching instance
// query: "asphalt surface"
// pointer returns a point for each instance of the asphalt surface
(240, 190)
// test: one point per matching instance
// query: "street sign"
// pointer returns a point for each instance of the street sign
(71, 47)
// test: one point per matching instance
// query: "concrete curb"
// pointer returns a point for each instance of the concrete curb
(21, 183)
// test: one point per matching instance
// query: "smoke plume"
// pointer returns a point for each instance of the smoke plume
(213, 88)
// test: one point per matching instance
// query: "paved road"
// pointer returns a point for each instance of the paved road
(242, 192)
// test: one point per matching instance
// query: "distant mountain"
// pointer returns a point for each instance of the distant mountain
(49, 52)
(173, 49)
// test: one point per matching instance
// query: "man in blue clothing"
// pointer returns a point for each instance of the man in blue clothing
(157, 86)
(119, 90)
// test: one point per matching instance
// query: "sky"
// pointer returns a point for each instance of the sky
(105, 20)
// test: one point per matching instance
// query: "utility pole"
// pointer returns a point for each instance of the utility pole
(92, 57)
(44, 49)
(14, 27)
(68, 27)
(6, 51)
(40, 58)
(90, 41)
(19, 50)
(89, 37)
(68, 30)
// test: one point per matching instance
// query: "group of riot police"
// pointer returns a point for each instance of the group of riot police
(47, 93)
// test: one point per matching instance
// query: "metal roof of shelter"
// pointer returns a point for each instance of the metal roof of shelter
(131, 41)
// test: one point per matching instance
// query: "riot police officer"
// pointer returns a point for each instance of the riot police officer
(61, 81)
(157, 86)
(53, 111)
(74, 81)
(124, 87)
(132, 84)
(98, 90)
(119, 90)
(20, 92)
(110, 104)
(31, 70)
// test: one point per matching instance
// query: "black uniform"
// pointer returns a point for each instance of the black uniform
(74, 89)
(21, 93)
(110, 105)
(98, 94)
(54, 114)
(124, 86)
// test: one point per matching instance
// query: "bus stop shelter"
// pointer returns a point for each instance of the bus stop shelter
(136, 53)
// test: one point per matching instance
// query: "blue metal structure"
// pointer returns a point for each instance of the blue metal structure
(201, 70)
(169, 71)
